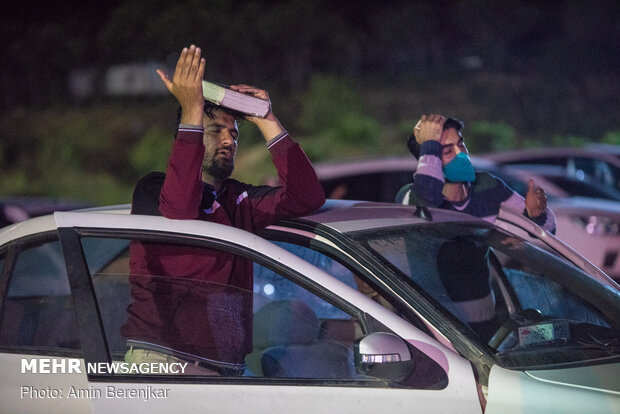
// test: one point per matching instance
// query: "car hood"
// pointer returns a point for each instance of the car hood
(600, 377)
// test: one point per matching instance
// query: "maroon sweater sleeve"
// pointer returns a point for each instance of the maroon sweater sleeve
(300, 191)
(182, 190)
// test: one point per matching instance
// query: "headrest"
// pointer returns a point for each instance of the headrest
(285, 322)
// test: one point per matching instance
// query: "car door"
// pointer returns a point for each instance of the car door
(38, 329)
(304, 325)
(528, 293)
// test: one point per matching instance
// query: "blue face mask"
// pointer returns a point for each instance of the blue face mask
(459, 170)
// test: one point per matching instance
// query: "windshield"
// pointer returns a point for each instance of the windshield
(515, 297)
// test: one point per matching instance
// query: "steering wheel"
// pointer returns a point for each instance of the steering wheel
(521, 318)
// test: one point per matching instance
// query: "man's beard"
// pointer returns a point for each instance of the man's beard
(219, 170)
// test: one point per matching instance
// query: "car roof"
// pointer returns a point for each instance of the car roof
(607, 148)
(47, 223)
(345, 169)
(550, 152)
(349, 215)
(327, 170)
(586, 206)
(342, 215)
(512, 174)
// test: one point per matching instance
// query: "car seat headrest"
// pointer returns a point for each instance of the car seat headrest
(285, 322)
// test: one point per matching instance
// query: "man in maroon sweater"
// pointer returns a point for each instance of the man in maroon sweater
(209, 321)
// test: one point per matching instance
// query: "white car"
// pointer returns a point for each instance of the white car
(348, 308)
(590, 225)
(594, 164)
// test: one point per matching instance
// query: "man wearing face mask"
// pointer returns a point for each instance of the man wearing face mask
(445, 177)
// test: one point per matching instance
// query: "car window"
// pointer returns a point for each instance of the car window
(540, 160)
(550, 298)
(461, 267)
(287, 311)
(38, 311)
(582, 168)
(273, 286)
(280, 328)
(377, 186)
(584, 188)
(585, 169)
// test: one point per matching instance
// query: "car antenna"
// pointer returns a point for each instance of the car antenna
(423, 213)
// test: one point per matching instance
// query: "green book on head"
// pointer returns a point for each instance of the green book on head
(226, 97)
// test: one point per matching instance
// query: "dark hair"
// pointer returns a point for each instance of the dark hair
(414, 147)
(208, 110)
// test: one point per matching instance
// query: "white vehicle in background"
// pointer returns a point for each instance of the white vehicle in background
(592, 164)
(350, 314)
(589, 224)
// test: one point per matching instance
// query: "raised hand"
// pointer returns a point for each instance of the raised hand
(269, 126)
(186, 84)
(255, 92)
(429, 128)
(535, 199)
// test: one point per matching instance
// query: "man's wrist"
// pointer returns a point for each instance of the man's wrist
(276, 139)
(430, 147)
(190, 126)
(190, 133)
(193, 116)
(270, 128)
(540, 216)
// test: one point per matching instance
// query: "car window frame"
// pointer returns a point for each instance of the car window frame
(354, 265)
(91, 325)
(451, 321)
(460, 337)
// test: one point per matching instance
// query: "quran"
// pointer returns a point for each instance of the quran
(226, 97)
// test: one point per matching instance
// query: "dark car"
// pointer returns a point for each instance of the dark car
(16, 209)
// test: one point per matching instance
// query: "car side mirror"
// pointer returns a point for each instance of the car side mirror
(383, 355)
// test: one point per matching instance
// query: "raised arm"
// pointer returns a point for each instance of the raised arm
(300, 191)
(186, 84)
(428, 180)
(182, 189)
(534, 206)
